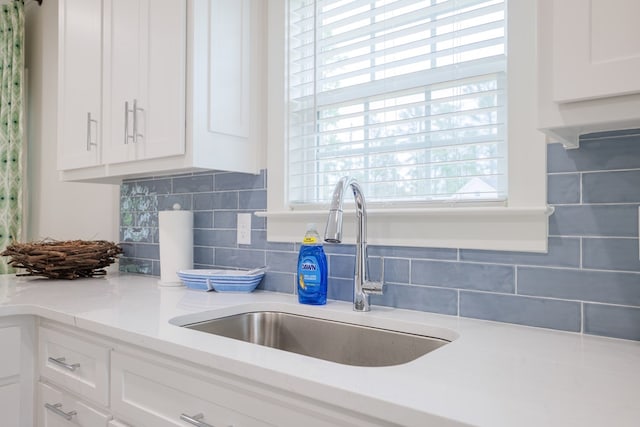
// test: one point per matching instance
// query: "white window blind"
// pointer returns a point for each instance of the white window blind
(408, 96)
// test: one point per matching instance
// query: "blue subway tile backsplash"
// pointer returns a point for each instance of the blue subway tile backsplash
(619, 220)
(611, 151)
(611, 187)
(562, 252)
(612, 321)
(545, 313)
(435, 300)
(610, 254)
(462, 275)
(563, 189)
(588, 282)
(581, 285)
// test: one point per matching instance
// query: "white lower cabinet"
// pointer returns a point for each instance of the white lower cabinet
(150, 392)
(10, 403)
(16, 371)
(60, 409)
(88, 380)
(155, 391)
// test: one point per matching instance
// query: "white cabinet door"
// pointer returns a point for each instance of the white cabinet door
(79, 85)
(596, 49)
(60, 409)
(16, 371)
(9, 375)
(10, 404)
(122, 72)
(144, 85)
(10, 355)
(164, 86)
(222, 61)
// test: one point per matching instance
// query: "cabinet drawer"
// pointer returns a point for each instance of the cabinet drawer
(60, 409)
(147, 394)
(151, 390)
(75, 363)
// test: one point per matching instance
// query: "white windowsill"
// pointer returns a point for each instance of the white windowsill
(495, 228)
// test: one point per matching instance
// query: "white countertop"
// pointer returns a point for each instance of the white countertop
(492, 374)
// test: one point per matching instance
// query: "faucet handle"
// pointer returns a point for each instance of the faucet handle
(373, 288)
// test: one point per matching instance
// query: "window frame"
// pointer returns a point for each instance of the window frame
(518, 224)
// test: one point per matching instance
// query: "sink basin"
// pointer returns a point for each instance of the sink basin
(339, 342)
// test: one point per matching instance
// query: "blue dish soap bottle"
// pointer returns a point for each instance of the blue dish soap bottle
(312, 269)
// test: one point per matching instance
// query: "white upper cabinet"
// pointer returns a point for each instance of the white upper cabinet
(225, 107)
(79, 83)
(589, 63)
(597, 49)
(180, 85)
(144, 81)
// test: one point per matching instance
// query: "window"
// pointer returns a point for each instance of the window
(406, 96)
(411, 97)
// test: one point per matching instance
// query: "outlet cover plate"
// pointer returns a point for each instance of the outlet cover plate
(244, 229)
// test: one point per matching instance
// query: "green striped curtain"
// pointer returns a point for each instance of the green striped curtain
(11, 125)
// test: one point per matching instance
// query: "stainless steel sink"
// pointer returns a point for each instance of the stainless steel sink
(339, 342)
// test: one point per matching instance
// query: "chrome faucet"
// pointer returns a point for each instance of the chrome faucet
(362, 286)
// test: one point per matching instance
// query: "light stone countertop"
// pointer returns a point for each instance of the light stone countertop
(491, 374)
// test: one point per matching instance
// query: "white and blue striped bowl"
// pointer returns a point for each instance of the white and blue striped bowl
(222, 280)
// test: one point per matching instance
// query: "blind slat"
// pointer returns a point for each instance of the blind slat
(404, 82)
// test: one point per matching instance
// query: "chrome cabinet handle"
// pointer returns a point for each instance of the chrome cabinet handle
(126, 122)
(195, 420)
(90, 143)
(56, 410)
(135, 110)
(128, 137)
(60, 361)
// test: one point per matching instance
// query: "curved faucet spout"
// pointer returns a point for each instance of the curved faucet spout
(333, 231)
(333, 234)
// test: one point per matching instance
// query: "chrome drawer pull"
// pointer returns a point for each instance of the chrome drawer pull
(60, 362)
(195, 420)
(56, 410)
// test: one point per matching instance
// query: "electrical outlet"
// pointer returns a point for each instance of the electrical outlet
(244, 229)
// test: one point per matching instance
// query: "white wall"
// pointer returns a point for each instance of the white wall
(58, 210)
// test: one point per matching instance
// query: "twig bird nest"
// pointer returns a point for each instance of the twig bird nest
(63, 260)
